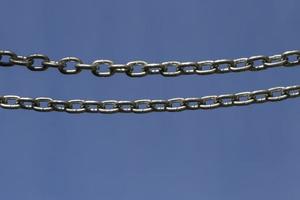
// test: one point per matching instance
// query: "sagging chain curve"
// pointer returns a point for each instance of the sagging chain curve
(107, 68)
(46, 104)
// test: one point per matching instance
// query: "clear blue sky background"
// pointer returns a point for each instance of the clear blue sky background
(230, 154)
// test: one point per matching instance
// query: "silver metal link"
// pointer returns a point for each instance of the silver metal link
(175, 105)
(91, 106)
(260, 96)
(70, 106)
(243, 98)
(154, 68)
(209, 102)
(292, 91)
(97, 66)
(205, 67)
(277, 94)
(37, 104)
(192, 103)
(240, 65)
(58, 105)
(11, 55)
(63, 64)
(118, 68)
(262, 60)
(109, 106)
(106, 68)
(227, 65)
(226, 99)
(275, 60)
(21, 60)
(142, 106)
(32, 59)
(131, 69)
(125, 106)
(82, 66)
(188, 67)
(159, 105)
(10, 102)
(167, 68)
(51, 63)
(287, 56)
(45, 104)
(26, 103)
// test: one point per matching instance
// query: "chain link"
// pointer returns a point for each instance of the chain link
(106, 68)
(45, 104)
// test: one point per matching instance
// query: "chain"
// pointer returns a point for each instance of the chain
(106, 68)
(45, 104)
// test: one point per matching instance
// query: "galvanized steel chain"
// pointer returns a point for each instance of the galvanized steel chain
(142, 68)
(45, 104)
(106, 68)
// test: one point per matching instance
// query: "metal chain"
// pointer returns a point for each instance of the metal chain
(45, 104)
(106, 68)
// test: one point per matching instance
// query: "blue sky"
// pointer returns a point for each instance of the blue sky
(235, 153)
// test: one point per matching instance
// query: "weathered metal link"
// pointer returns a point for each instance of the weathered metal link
(107, 68)
(45, 104)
